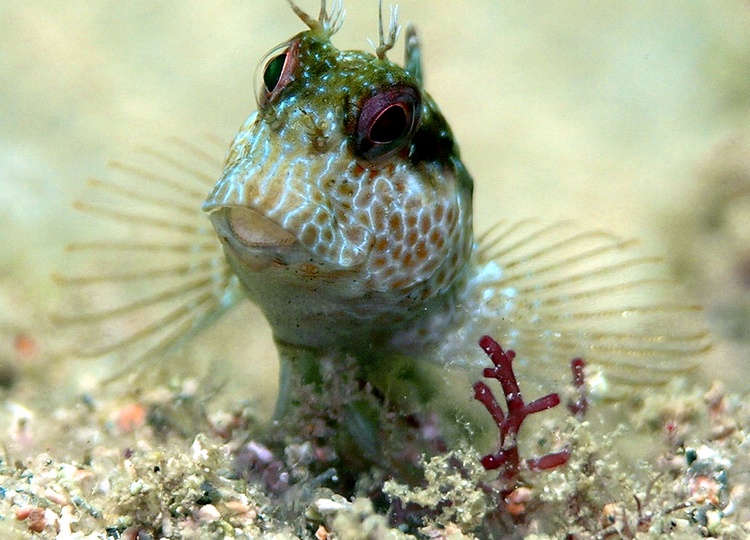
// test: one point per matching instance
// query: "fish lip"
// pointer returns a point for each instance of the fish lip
(250, 229)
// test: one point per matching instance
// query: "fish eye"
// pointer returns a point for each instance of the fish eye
(275, 71)
(386, 122)
(272, 73)
(390, 125)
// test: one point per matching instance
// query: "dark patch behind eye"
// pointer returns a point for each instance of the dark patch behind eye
(433, 141)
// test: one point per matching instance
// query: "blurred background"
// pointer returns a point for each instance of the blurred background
(627, 116)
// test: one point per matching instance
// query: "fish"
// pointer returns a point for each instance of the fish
(343, 211)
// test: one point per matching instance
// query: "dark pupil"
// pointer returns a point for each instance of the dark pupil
(272, 74)
(389, 126)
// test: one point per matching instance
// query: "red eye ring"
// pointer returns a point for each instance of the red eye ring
(387, 120)
(276, 71)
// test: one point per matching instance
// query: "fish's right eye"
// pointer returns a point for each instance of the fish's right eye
(273, 71)
(277, 71)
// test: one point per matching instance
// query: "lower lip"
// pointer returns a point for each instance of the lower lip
(255, 231)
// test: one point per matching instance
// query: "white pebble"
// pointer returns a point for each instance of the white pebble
(208, 513)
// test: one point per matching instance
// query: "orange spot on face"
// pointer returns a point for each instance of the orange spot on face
(364, 199)
(321, 219)
(388, 272)
(346, 190)
(413, 204)
(454, 260)
(395, 222)
(412, 238)
(422, 251)
(309, 236)
(379, 217)
(451, 215)
(381, 244)
(440, 277)
(400, 284)
(425, 224)
(355, 235)
(379, 262)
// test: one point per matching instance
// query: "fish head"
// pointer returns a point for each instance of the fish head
(347, 177)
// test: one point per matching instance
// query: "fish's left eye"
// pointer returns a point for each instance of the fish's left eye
(275, 71)
(386, 122)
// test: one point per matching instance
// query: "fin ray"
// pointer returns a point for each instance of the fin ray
(125, 193)
(147, 301)
(179, 247)
(151, 329)
(178, 165)
(146, 295)
(554, 291)
(142, 174)
(140, 220)
(146, 274)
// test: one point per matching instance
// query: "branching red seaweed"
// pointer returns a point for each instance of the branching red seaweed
(507, 458)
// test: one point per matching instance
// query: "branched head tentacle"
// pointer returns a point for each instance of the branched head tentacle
(328, 23)
(387, 43)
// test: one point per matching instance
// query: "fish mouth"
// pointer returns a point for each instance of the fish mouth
(254, 230)
(253, 237)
